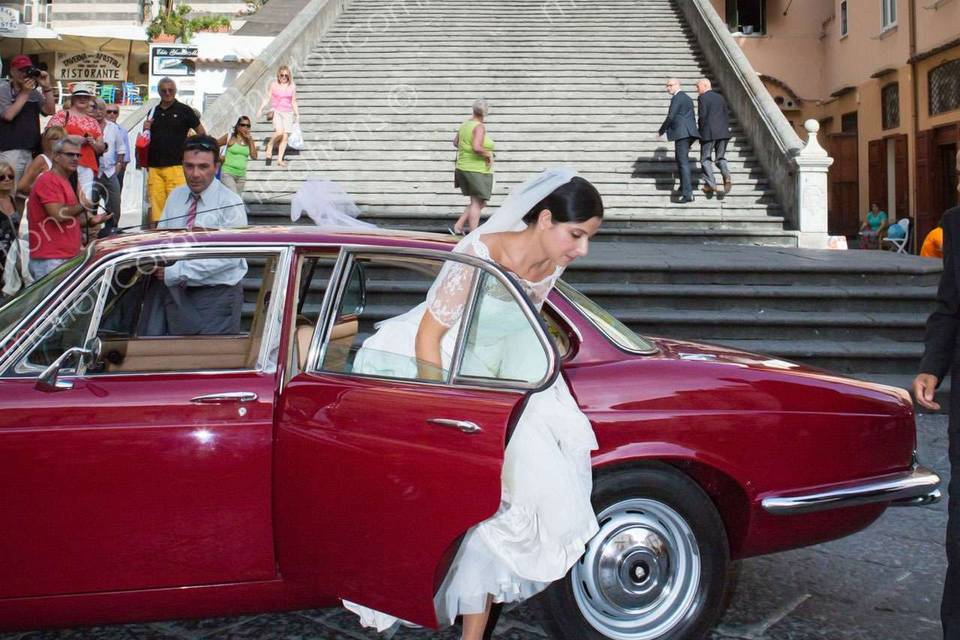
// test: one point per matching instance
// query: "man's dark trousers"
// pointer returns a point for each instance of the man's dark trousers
(950, 607)
(681, 147)
(941, 356)
(709, 148)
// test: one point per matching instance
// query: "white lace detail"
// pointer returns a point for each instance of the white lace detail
(448, 295)
(447, 298)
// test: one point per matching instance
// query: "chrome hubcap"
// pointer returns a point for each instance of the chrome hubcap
(640, 575)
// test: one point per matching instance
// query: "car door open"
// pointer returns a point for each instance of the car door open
(379, 470)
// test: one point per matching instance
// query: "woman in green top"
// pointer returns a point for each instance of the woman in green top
(474, 172)
(240, 149)
(872, 228)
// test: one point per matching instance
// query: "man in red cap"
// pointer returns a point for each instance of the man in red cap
(23, 98)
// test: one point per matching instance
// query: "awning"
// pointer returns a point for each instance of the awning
(219, 47)
(110, 31)
(30, 32)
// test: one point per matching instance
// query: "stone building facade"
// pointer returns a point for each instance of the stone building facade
(883, 79)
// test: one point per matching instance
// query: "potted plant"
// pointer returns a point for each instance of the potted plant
(170, 26)
(217, 24)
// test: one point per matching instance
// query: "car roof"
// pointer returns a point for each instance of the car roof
(279, 234)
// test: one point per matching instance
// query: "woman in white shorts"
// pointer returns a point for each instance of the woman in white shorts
(282, 96)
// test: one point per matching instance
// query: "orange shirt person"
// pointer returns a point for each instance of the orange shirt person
(933, 244)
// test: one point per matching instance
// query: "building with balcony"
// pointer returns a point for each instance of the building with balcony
(883, 79)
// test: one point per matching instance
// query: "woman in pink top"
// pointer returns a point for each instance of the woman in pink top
(282, 95)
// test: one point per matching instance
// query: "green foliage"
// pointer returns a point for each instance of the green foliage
(210, 23)
(174, 23)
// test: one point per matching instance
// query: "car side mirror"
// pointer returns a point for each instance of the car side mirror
(49, 380)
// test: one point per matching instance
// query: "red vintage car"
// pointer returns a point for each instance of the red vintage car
(148, 475)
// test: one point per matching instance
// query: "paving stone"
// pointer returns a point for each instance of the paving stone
(203, 627)
(289, 626)
(106, 632)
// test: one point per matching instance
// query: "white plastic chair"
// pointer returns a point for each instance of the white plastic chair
(901, 243)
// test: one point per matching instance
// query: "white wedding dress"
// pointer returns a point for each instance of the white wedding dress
(545, 517)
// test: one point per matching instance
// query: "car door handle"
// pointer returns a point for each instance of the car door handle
(230, 396)
(462, 425)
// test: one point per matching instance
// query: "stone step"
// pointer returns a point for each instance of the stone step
(429, 154)
(620, 300)
(639, 192)
(366, 143)
(693, 298)
(398, 204)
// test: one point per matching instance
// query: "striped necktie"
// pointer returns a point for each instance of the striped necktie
(192, 211)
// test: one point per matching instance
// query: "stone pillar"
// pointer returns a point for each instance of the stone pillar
(813, 162)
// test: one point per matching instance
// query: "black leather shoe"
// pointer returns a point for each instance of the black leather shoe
(685, 199)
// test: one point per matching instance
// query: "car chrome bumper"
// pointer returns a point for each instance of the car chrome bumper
(918, 486)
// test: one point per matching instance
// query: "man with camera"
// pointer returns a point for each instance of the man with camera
(23, 98)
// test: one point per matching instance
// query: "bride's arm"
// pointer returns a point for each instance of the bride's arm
(445, 302)
(429, 365)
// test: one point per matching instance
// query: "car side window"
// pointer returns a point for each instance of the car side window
(501, 343)
(164, 315)
(385, 287)
(378, 288)
(68, 330)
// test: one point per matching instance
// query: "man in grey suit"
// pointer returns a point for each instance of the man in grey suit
(714, 135)
(681, 127)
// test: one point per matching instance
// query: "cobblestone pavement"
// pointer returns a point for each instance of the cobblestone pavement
(881, 584)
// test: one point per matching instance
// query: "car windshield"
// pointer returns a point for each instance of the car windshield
(28, 299)
(617, 332)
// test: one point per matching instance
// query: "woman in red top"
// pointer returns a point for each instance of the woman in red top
(77, 121)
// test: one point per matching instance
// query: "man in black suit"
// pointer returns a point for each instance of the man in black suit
(714, 135)
(939, 358)
(681, 127)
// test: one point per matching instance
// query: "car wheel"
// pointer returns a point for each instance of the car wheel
(656, 570)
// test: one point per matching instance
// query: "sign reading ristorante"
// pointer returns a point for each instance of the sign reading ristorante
(96, 66)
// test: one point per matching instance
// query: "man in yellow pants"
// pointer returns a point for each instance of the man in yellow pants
(169, 125)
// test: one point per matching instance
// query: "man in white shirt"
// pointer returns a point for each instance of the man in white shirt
(204, 296)
(107, 176)
(123, 154)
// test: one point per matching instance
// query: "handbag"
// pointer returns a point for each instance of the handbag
(295, 140)
(141, 148)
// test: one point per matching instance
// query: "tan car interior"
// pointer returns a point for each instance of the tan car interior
(185, 353)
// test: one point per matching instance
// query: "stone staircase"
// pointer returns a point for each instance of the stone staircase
(571, 81)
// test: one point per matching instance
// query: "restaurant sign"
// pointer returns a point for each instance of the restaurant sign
(97, 66)
(9, 19)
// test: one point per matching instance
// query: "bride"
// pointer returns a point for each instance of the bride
(545, 516)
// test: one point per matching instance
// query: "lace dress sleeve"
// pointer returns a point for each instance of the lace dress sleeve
(449, 292)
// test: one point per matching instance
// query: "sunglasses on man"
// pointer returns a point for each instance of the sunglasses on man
(200, 145)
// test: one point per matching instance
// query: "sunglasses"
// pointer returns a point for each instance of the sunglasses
(166, 91)
(6, 176)
(244, 124)
(199, 145)
(113, 111)
(69, 154)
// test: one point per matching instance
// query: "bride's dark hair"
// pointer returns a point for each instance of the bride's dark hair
(574, 201)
